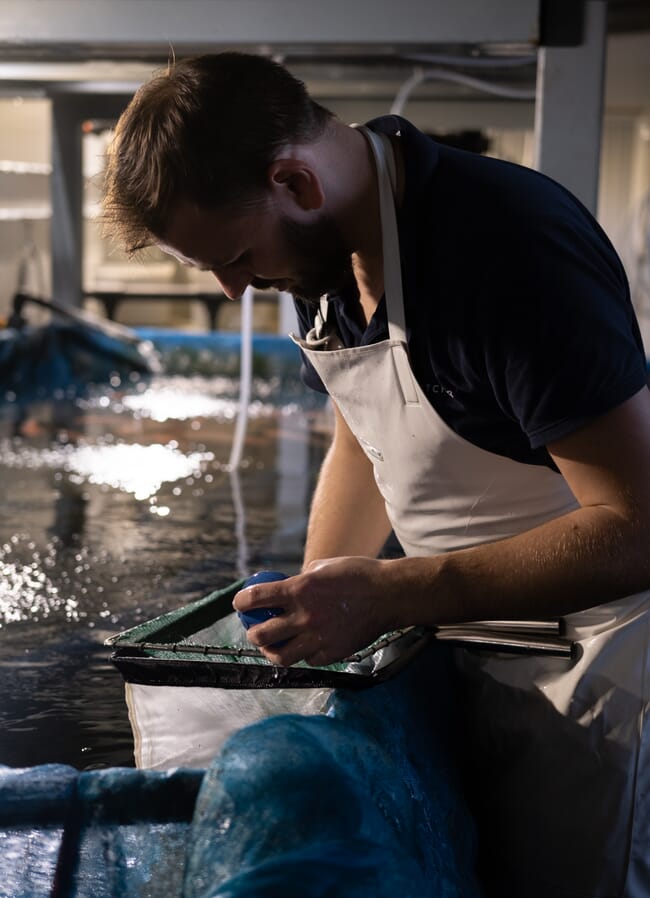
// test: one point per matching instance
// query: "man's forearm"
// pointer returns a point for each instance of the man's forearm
(579, 560)
(597, 553)
(348, 515)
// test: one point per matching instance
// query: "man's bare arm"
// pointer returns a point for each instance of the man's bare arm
(347, 516)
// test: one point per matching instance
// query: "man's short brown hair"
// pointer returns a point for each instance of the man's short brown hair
(203, 130)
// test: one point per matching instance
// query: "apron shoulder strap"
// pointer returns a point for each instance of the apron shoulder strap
(382, 150)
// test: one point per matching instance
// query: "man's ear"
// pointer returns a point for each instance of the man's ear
(295, 182)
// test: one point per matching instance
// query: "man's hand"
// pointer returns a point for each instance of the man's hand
(334, 608)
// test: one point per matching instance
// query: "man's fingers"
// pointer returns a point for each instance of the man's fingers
(298, 649)
(274, 630)
(257, 596)
(286, 655)
(320, 659)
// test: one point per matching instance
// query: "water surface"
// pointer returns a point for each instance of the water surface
(115, 509)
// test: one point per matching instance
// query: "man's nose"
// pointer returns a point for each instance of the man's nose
(233, 284)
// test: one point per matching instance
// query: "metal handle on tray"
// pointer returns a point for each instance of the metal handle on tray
(518, 637)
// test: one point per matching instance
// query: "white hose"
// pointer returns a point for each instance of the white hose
(245, 377)
(240, 523)
(245, 383)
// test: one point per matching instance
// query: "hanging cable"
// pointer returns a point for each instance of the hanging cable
(420, 75)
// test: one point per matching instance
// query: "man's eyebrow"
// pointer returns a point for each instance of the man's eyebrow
(213, 266)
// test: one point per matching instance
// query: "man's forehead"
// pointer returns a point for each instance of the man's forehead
(188, 222)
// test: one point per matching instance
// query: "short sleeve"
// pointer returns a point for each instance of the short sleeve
(562, 344)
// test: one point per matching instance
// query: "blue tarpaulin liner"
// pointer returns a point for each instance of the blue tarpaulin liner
(363, 802)
(63, 358)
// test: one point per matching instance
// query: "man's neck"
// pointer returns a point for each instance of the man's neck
(369, 275)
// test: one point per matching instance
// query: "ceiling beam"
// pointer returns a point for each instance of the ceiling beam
(265, 22)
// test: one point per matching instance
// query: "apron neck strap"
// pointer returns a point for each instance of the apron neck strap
(383, 153)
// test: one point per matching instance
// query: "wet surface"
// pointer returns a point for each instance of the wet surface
(120, 507)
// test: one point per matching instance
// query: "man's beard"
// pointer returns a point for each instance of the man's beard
(323, 260)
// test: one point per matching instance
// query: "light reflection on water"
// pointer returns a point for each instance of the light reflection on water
(181, 398)
(131, 467)
(26, 592)
(113, 514)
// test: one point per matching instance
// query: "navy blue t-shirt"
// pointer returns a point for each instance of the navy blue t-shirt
(519, 321)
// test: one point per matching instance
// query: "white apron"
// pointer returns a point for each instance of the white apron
(557, 753)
